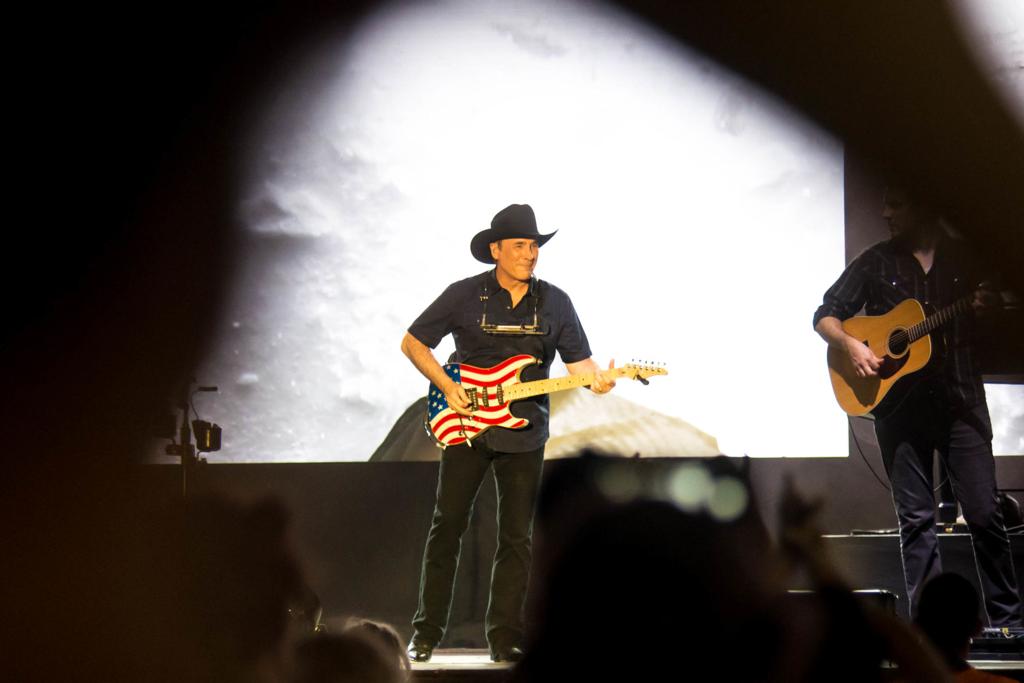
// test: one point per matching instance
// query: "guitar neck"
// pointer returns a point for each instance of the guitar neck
(940, 318)
(548, 386)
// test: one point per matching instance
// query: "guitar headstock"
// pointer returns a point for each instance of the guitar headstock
(641, 370)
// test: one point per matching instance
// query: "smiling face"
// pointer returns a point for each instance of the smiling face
(516, 257)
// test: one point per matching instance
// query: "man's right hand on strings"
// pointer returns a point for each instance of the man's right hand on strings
(865, 362)
(457, 398)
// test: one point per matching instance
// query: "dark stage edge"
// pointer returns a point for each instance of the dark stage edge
(359, 528)
(470, 665)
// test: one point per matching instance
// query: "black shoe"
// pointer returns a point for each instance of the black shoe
(419, 651)
(511, 654)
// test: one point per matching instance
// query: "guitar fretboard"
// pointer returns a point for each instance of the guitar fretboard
(939, 318)
(547, 386)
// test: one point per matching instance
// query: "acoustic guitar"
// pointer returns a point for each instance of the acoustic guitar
(901, 339)
(492, 390)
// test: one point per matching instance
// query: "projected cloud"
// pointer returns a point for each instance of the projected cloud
(698, 223)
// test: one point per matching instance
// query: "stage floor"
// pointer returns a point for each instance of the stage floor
(463, 665)
(467, 665)
(460, 659)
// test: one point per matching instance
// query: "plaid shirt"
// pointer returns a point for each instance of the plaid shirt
(886, 274)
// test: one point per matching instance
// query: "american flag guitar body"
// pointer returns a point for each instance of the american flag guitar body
(492, 390)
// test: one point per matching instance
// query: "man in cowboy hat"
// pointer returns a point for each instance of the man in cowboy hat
(499, 313)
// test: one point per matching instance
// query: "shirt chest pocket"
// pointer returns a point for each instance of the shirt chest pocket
(890, 288)
(465, 320)
(960, 286)
(466, 330)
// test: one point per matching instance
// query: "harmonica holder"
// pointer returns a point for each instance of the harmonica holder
(510, 330)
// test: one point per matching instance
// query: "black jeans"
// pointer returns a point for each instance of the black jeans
(908, 439)
(517, 476)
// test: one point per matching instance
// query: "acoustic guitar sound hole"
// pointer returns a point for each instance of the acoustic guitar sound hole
(898, 342)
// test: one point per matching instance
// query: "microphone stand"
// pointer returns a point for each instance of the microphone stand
(185, 449)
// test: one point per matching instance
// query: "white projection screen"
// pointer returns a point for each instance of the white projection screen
(699, 222)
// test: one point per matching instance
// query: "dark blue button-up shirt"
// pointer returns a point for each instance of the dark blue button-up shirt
(458, 312)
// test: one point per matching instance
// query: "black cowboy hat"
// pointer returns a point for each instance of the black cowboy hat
(515, 220)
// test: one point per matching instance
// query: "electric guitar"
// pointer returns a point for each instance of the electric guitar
(492, 390)
(901, 339)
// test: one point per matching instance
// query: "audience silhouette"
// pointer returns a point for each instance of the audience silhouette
(354, 656)
(948, 613)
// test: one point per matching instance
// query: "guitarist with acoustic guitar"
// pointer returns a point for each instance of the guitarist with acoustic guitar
(912, 363)
(505, 323)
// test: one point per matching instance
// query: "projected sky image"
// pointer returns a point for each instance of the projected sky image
(699, 222)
